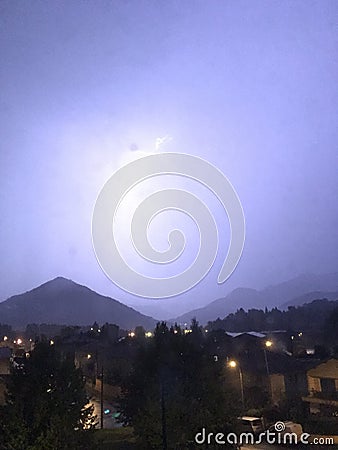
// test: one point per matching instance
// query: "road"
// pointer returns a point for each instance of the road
(109, 421)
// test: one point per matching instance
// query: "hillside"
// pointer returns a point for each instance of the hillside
(309, 297)
(61, 301)
(302, 289)
(319, 315)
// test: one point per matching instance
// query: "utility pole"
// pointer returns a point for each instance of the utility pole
(242, 385)
(101, 397)
(164, 422)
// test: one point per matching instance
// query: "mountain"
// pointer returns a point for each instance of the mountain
(309, 297)
(278, 295)
(296, 287)
(238, 298)
(61, 301)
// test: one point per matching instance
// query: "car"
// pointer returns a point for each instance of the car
(249, 424)
(289, 433)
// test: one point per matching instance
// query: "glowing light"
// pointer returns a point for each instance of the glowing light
(19, 341)
(161, 141)
(232, 364)
(89, 356)
(51, 342)
(149, 334)
(5, 338)
(268, 344)
(131, 334)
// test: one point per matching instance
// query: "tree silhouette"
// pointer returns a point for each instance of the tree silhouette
(46, 404)
(175, 389)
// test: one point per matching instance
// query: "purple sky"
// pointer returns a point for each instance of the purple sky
(252, 86)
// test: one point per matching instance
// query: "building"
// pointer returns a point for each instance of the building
(5, 360)
(323, 389)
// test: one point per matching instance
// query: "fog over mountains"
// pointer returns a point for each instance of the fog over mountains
(61, 301)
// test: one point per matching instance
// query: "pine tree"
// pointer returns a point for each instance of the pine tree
(46, 404)
(176, 388)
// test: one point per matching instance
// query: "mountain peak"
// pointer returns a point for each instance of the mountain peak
(57, 284)
(61, 281)
(64, 302)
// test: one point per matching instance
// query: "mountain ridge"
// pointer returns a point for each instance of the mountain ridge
(62, 301)
(277, 295)
(65, 302)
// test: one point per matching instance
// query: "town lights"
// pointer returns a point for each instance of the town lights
(268, 344)
(232, 364)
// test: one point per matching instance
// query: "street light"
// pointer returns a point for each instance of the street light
(233, 364)
(268, 344)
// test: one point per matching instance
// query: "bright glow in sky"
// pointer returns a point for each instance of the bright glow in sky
(88, 86)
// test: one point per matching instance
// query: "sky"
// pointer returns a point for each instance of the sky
(85, 87)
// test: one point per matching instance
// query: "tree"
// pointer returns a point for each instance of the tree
(175, 389)
(46, 404)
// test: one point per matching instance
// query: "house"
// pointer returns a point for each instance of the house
(5, 360)
(268, 374)
(323, 388)
(5, 369)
